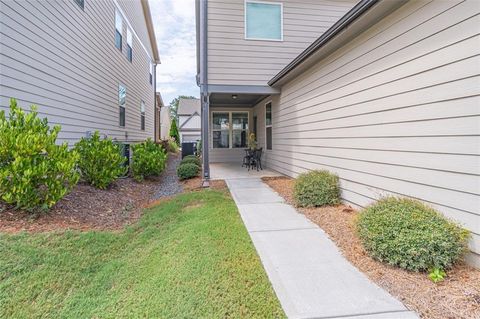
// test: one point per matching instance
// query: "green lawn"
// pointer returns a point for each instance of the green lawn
(190, 257)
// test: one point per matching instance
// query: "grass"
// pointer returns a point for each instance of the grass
(189, 257)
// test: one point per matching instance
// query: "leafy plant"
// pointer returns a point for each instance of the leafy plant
(406, 233)
(172, 145)
(199, 148)
(148, 159)
(194, 160)
(187, 170)
(101, 161)
(35, 172)
(316, 188)
(174, 132)
(252, 141)
(436, 275)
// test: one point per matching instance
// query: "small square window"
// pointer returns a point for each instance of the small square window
(263, 21)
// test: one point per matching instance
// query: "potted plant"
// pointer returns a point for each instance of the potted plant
(252, 142)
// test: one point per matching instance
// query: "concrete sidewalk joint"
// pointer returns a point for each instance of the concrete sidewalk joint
(308, 273)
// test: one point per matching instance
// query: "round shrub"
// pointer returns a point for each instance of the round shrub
(189, 156)
(35, 172)
(316, 188)
(406, 233)
(101, 161)
(187, 170)
(192, 160)
(148, 159)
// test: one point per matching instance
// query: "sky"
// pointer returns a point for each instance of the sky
(174, 23)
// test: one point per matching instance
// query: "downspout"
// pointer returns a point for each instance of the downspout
(204, 95)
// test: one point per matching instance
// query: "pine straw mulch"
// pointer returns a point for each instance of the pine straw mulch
(456, 297)
(195, 184)
(86, 208)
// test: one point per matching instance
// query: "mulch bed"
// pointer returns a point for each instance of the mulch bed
(87, 208)
(456, 297)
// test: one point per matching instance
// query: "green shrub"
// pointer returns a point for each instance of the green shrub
(172, 146)
(193, 160)
(101, 161)
(35, 172)
(148, 159)
(316, 188)
(406, 233)
(174, 132)
(187, 170)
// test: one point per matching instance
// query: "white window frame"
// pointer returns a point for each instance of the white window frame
(118, 16)
(230, 129)
(245, 20)
(271, 122)
(129, 44)
(124, 106)
(142, 115)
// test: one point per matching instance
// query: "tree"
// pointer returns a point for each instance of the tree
(174, 105)
(174, 131)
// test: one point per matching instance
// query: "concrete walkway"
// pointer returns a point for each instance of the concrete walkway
(308, 273)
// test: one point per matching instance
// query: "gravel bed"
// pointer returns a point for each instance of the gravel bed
(169, 184)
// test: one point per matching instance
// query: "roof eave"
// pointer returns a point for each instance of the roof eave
(362, 15)
(151, 31)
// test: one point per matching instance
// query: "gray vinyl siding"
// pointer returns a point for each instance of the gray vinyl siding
(396, 111)
(64, 59)
(234, 60)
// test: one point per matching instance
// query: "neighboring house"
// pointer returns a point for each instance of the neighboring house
(189, 120)
(88, 65)
(386, 94)
(163, 120)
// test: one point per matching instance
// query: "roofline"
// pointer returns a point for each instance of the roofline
(159, 98)
(335, 29)
(151, 32)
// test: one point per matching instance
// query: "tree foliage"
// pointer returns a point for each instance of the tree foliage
(174, 132)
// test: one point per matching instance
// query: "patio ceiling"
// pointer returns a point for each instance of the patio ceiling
(235, 100)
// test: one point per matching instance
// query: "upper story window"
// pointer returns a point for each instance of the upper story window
(142, 116)
(129, 45)
(81, 3)
(263, 21)
(118, 30)
(122, 101)
(151, 72)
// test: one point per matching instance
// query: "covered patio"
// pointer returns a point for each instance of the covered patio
(232, 170)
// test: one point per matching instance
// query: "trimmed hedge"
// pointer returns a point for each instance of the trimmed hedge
(35, 172)
(148, 159)
(101, 162)
(192, 160)
(187, 170)
(316, 188)
(411, 235)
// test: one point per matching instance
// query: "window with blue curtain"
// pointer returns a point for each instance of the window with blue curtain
(263, 21)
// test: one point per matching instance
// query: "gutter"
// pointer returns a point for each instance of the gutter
(339, 26)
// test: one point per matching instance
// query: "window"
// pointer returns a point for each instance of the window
(129, 45)
(229, 129)
(142, 116)
(239, 129)
(268, 125)
(118, 30)
(221, 129)
(151, 72)
(122, 97)
(263, 21)
(81, 3)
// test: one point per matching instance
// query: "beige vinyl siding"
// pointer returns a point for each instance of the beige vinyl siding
(232, 60)
(64, 59)
(396, 111)
(228, 154)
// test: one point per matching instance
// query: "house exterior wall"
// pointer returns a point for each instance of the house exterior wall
(395, 111)
(165, 122)
(63, 59)
(232, 60)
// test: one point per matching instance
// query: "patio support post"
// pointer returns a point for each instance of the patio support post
(203, 82)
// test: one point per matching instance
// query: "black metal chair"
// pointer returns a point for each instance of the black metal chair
(247, 158)
(256, 159)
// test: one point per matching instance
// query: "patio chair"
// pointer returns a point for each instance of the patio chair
(256, 159)
(247, 158)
